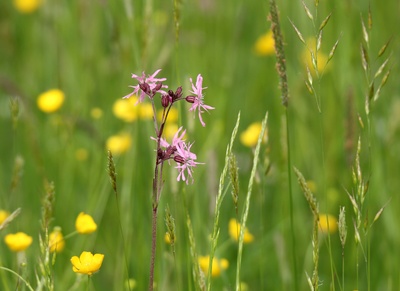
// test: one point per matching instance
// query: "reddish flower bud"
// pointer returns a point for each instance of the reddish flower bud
(157, 87)
(165, 99)
(190, 99)
(178, 92)
(145, 88)
(179, 159)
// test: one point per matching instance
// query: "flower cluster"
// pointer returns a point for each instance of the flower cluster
(179, 150)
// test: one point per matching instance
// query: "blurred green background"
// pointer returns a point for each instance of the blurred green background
(88, 49)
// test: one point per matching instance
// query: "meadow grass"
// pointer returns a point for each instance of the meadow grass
(339, 129)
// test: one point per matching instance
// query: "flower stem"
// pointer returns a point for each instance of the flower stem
(153, 246)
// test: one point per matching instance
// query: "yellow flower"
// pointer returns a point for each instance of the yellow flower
(234, 232)
(18, 242)
(265, 44)
(167, 238)
(218, 265)
(51, 100)
(3, 215)
(26, 6)
(96, 113)
(126, 109)
(145, 111)
(249, 137)
(85, 224)
(119, 144)
(312, 186)
(321, 58)
(87, 263)
(170, 129)
(56, 240)
(328, 223)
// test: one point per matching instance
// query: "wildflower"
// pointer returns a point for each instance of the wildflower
(265, 44)
(96, 113)
(85, 224)
(3, 215)
(328, 223)
(51, 100)
(167, 238)
(186, 161)
(56, 240)
(87, 263)
(198, 97)
(147, 86)
(218, 265)
(27, 6)
(125, 109)
(170, 129)
(249, 137)
(119, 143)
(18, 242)
(146, 111)
(234, 232)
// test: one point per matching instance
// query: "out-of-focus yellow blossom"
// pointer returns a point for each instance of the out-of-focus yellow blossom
(119, 143)
(244, 286)
(321, 57)
(126, 109)
(27, 6)
(85, 224)
(96, 113)
(145, 111)
(51, 100)
(249, 137)
(81, 154)
(18, 242)
(87, 263)
(265, 44)
(328, 223)
(56, 240)
(218, 265)
(234, 232)
(172, 115)
(3, 215)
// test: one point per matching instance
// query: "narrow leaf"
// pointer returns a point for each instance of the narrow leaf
(333, 50)
(325, 22)
(365, 32)
(307, 11)
(298, 32)
(384, 47)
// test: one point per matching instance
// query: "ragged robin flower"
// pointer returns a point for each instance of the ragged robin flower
(265, 44)
(56, 240)
(234, 232)
(328, 223)
(18, 242)
(197, 98)
(87, 263)
(180, 152)
(85, 224)
(218, 265)
(147, 86)
(51, 100)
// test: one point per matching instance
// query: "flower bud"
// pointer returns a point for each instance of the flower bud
(157, 87)
(178, 92)
(165, 99)
(190, 99)
(179, 159)
(145, 88)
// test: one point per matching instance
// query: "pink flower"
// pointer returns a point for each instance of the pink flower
(198, 97)
(150, 83)
(186, 161)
